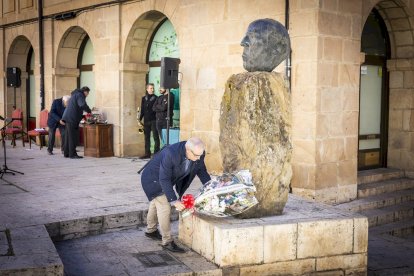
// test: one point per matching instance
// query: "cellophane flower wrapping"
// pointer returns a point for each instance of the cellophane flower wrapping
(226, 195)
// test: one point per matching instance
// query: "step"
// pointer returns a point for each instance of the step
(386, 186)
(377, 175)
(399, 229)
(389, 214)
(378, 201)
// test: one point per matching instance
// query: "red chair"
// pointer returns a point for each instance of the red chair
(40, 132)
(16, 126)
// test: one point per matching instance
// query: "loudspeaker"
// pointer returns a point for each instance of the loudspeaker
(13, 77)
(169, 72)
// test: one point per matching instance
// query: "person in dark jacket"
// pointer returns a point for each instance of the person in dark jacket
(160, 107)
(148, 115)
(54, 121)
(175, 166)
(72, 117)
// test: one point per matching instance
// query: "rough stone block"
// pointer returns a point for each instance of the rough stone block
(203, 238)
(185, 231)
(297, 267)
(238, 246)
(360, 235)
(74, 226)
(120, 220)
(353, 261)
(325, 238)
(280, 242)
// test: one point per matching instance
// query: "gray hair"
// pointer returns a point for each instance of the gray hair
(65, 98)
(195, 143)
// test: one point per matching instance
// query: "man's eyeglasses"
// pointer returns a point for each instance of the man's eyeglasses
(196, 155)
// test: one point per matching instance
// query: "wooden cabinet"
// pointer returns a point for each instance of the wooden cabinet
(97, 140)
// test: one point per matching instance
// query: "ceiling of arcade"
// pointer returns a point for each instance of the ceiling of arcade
(69, 47)
(140, 35)
(19, 49)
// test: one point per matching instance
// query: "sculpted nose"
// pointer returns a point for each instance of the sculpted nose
(245, 42)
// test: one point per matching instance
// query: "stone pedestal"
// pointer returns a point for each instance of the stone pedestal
(309, 237)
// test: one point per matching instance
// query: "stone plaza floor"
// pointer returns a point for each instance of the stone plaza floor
(57, 189)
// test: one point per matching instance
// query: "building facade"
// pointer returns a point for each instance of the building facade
(340, 124)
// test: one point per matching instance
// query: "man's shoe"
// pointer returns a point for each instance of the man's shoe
(154, 235)
(76, 157)
(49, 152)
(171, 246)
(146, 156)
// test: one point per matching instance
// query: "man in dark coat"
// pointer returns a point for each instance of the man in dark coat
(54, 121)
(161, 107)
(176, 165)
(72, 117)
(148, 115)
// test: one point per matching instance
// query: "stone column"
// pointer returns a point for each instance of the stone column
(401, 114)
(325, 38)
(133, 82)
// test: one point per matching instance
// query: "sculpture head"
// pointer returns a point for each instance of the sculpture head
(266, 44)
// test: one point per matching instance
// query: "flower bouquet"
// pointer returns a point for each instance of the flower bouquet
(225, 195)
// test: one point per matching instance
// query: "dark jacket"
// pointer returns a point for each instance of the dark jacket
(147, 103)
(76, 105)
(56, 113)
(160, 107)
(165, 170)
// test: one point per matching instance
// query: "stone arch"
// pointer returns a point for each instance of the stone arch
(396, 16)
(66, 67)
(133, 78)
(18, 56)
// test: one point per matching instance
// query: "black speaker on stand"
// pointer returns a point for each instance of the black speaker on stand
(168, 80)
(13, 79)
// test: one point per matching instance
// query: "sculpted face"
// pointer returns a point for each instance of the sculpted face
(266, 44)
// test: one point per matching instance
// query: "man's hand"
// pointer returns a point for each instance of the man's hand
(179, 205)
(62, 122)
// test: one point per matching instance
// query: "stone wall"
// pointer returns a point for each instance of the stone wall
(401, 114)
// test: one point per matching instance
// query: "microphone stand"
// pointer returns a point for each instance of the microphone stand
(5, 169)
(168, 116)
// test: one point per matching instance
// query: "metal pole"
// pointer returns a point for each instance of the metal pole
(168, 116)
(41, 58)
(289, 59)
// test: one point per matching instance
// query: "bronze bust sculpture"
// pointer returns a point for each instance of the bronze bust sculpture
(266, 44)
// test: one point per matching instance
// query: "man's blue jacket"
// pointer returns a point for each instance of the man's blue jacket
(56, 113)
(165, 171)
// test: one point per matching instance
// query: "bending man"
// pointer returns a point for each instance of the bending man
(176, 165)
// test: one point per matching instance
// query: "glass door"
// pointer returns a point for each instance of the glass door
(373, 94)
(370, 113)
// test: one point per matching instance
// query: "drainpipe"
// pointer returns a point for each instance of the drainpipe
(288, 67)
(41, 58)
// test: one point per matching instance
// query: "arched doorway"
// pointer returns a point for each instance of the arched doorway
(374, 94)
(23, 95)
(138, 69)
(74, 66)
(164, 43)
(86, 61)
(74, 62)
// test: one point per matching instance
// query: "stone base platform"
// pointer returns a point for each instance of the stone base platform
(28, 251)
(308, 238)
